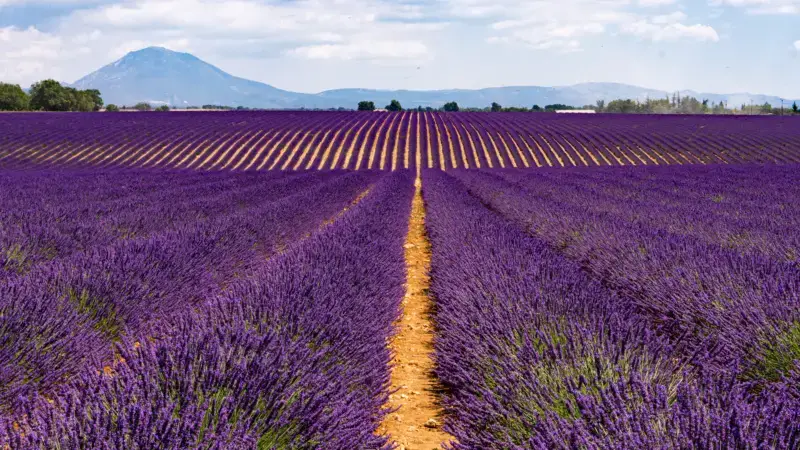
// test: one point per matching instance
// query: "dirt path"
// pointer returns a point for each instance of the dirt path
(416, 425)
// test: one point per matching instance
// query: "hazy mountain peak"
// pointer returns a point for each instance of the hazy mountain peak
(162, 54)
(160, 75)
(154, 49)
(151, 62)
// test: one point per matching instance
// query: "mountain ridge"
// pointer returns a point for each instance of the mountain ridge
(162, 76)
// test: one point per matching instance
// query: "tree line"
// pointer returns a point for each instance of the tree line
(688, 105)
(674, 105)
(395, 106)
(141, 106)
(49, 95)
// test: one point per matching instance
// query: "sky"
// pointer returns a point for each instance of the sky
(715, 46)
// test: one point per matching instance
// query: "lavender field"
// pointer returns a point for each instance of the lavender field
(305, 140)
(647, 308)
(229, 306)
(198, 310)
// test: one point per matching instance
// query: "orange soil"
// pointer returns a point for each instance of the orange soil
(417, 422)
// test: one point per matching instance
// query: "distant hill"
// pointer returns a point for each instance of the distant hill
(162, 76)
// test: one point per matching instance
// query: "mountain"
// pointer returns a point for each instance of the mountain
(162, 76)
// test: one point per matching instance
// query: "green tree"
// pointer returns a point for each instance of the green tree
(394, 106)
(49, 95)
(496, 107)
(689, 105)
(96, 98)
(536, 108)
(766, 108)
(12, 98)
(112, 108)
(366, 106)
(601, 104)
(795, 108)
(79, 100)
(451, 107)
(626, 106)
(163, 108)
(143, 106)
(557, 106)
(655, 106)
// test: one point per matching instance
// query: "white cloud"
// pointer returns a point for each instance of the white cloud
(562, 25)
(539, 43)
(787, 9)
(480, 9)
(210, 17)
(671, 31)
(675, 17)
(49, 2)
(656, 3)
(327, 36)
(775, 7)
(573, 30)
(251, 37)
(351, 29)
(315, 29)
(551, 25)
(370, 50)
(551, 36)
(797, 45)
(28, 52)
(254, 17)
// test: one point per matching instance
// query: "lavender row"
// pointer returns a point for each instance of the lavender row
(706, 298)
(748, 210)
(534, 354)
(62, 316)
(30, 188)
(43, 233)
(293, 357)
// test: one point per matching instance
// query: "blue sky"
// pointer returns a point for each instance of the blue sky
(720, 46)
